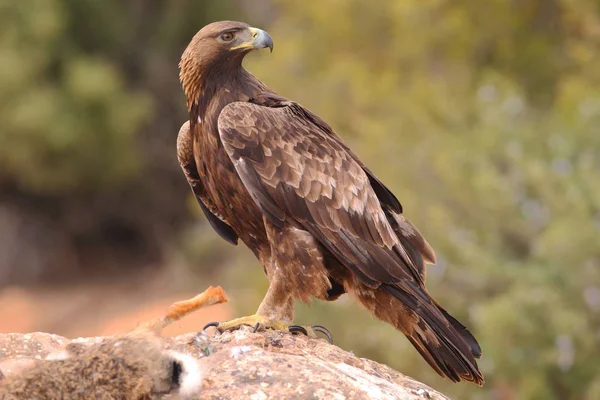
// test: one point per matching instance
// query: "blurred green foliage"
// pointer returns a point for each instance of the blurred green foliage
(90, 104)
(75, 94)
(483, 118)
(68, 120)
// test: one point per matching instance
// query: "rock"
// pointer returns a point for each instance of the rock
(247, 365)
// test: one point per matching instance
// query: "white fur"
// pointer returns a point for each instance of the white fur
(191, 376)
(58, 355)
(239, 350)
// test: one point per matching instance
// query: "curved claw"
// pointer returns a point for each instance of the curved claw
(294, 329)
(324, 331)
(214, 323)
(256, 327)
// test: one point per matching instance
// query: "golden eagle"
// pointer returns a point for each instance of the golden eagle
(272, 173)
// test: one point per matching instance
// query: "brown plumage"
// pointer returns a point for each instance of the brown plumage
(273, 174)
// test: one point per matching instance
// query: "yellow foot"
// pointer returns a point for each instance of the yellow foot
(261, 323)
(255, 321)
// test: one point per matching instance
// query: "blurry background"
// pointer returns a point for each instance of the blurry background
(483, 118)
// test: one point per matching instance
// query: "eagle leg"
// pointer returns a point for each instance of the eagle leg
(296, 271)
(276, 311)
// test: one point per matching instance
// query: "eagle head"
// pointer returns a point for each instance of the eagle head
(218, 47)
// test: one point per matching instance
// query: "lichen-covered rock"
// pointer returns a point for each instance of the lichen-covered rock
(246, 365)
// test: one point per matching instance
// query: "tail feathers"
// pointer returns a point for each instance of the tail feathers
(446, 358)
(463, 332)
(434, 359)
(448, 347)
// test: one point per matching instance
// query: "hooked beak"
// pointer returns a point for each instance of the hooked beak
(260, 40)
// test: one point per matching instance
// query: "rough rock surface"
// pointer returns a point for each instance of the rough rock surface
(257, 366)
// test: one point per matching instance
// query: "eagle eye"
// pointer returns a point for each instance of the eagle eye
(227, 37)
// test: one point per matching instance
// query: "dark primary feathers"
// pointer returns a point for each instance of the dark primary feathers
(261, 165)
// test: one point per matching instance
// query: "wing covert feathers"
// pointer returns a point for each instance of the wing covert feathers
(294, 170)
(299, 172)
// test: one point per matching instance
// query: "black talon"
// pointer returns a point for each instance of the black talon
(256, 327)
(214, 323)
(324, 331)
(297, 329)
